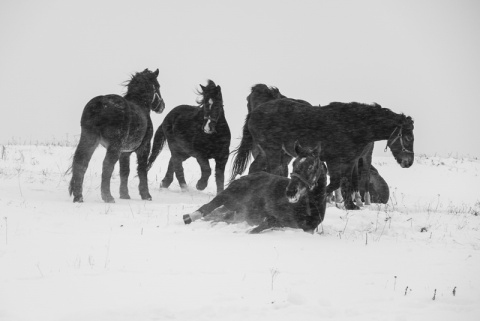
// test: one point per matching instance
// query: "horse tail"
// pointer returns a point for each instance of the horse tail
(242, 153)
(158, 143)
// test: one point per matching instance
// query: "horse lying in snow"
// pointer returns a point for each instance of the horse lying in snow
(270, 201)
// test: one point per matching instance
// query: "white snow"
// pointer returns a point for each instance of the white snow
(136, 260)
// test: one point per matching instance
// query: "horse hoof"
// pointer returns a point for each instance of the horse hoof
(189, 218)
(351, 207)
(201, 185)
(125, 197)
(164, 185)
(78, 199)
(108, 199)
(368, 200)
(186, 219)
(145, 195)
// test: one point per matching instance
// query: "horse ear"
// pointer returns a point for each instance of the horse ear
(203, 88)
(298, 148)
(317, 150)
(156, 72)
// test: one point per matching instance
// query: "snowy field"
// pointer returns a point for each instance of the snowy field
(417, 258)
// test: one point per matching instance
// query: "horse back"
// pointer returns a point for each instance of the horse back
(283, 121)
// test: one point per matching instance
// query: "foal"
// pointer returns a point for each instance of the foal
(270, 201)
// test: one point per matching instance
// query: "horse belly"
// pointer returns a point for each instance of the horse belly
(267, 198)
(134, 141)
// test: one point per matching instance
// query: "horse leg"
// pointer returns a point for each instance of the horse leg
(367, 165)
(285, 160)
(206, 172)
(168, 179)
(124, 172)
(220, 164)
(366, 196)
(259, 164)
(112, 156)
(178, 168)
(355, 178)
(142, 160)
(334, 185)
(87, 145)
(255, 151)
(338, 195)
(347, 191)
(268, 222)
(380, 189)
(339, 176)
(218, 201)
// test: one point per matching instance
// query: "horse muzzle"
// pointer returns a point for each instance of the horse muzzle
(294, 194)
(405, 160)
(160, 107)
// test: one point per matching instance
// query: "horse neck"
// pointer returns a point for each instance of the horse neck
(140, 100)
(381, 128)
(222, 118)
(315, 195)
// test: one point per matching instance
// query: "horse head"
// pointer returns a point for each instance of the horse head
(307, 170)
(401, 142)
(144, 87)
(157, 104)
(260, 94)
(212, 106)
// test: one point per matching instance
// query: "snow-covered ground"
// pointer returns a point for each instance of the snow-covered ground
(417, 258)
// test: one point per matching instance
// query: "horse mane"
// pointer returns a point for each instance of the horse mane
(135, 85)
(354, 104)
(374, 109)
(206, 92)
(407, 122)
(267, 92)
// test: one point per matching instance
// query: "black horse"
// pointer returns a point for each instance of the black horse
(261, 93)
(122, 125)
(269, 200)
(195, 131)
(345, 130)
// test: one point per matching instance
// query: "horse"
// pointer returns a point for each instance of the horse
(195, 131)
(261, 93)
(345, 130)
(122, 125)
(269, 200)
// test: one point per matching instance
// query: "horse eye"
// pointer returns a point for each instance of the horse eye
(408, 138)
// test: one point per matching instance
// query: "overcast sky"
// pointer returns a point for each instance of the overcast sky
(418, 57)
